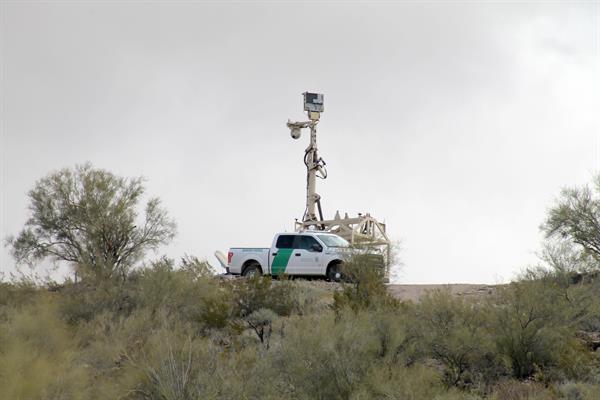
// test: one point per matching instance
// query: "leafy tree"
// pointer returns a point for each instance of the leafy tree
(88, 217)
(573, 275)
(576, 217)
(563, 258)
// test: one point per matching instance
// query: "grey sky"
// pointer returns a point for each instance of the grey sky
(457, 123)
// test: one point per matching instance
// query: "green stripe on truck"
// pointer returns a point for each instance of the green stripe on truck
(280, 261)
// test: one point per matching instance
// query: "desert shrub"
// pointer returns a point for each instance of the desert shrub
(320, 357)
(18, 293)
(516, 390)
(109, 345)
(400, 383)
(456, 394)
(178, 365)
(579, 391)
(190, 291)
(215, 312)
(533, 329)
(172, 359)
(261, 322)
(177, 332)
(453, 333)
(172, 373)
(159, 286)
(82, 301)
(195, 269)
(310, 297)
(39, 358)
(574, 274)
(260, 292)
(245, 374)
(395, 336)
(236, 300)
(364, 285)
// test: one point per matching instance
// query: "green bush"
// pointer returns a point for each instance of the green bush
(364, 285)
(516, 390)
(400, 383)
(83, 301)
(261, 292)
(19, 293)
(39, 358)
(321, 358)
(454, 333)
(534, 329)
(176, 332)
(579, 391)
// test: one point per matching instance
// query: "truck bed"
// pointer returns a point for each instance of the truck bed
(239, 255)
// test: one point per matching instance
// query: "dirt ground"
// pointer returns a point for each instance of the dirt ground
(414, 292)
(406, 292)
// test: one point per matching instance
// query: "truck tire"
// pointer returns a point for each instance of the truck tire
(333, 273)
(252, 269)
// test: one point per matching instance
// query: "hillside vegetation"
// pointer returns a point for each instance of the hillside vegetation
(180, 333)
(166, 329)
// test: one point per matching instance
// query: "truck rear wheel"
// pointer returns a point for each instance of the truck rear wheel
(252, 269)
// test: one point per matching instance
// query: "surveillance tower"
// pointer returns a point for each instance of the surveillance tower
(363, 230)
(315, 165)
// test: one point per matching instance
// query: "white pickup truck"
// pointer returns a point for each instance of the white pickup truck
(302, 253)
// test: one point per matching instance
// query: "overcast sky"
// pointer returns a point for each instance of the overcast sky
(456, 123)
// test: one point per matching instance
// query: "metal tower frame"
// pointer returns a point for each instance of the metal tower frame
(363, 230)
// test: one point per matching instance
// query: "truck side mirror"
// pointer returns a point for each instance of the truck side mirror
(316, 247)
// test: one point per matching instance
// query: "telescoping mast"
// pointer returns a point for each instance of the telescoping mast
(360, 230)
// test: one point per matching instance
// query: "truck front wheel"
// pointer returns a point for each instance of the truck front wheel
(334, 273)
(252, 269)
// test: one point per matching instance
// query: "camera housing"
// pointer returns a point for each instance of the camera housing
(313, 102)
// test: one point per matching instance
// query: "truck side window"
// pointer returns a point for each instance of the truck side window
(285, 242)
(308, 243)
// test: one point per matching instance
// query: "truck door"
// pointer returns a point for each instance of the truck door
(307, 256)
(281, 254)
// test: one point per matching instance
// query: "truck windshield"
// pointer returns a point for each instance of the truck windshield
(333, 241)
